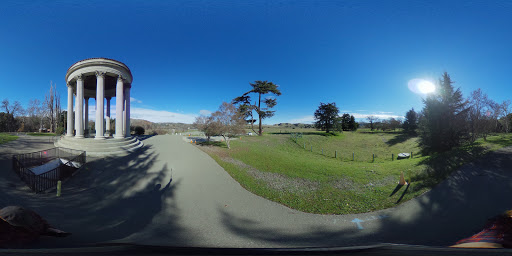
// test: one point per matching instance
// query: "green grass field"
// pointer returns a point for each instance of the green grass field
(5, 137)
(278, 168)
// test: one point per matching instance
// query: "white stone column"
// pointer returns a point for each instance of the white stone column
(69, 128)
(100, 93)
(119, 108)
(86, 119)
(127, 111)
(108, 118)
(80, 107)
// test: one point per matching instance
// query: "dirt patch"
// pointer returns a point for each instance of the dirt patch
(277, 181)
(281, 182)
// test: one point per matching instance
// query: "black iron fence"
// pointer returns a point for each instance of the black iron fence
(69, 161)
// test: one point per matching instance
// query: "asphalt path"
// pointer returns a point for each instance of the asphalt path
(172, 193)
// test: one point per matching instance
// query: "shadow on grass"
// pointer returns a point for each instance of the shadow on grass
(400, 139)
(381, 132)
(212, 143)
(403, 194)
(440, 165)
(321, 133)
(397, 188)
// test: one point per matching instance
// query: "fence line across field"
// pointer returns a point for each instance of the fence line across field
(371, 157)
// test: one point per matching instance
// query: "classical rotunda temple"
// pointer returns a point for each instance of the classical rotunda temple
(101, 79)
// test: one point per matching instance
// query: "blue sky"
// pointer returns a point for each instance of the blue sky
(187, 57)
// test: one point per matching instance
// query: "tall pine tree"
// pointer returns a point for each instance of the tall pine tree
(443, 124)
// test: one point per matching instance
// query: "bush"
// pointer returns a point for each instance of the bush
(59, 130)
(139, 130)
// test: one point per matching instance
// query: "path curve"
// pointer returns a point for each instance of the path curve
(172, 193)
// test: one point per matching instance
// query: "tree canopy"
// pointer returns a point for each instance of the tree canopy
(327, 117)
(411, 121)
(260, 88)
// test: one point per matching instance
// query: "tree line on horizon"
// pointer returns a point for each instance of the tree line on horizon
(45, 115)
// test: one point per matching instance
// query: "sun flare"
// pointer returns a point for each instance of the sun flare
(421, 86)
(426, 87)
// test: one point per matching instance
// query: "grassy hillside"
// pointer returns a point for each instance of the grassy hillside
(278, 168)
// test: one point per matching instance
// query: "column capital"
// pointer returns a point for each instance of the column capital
(108, 98)
(120, 77)
(100, 73)
(79, 77)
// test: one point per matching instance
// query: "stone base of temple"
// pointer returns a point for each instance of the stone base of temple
(106, 147)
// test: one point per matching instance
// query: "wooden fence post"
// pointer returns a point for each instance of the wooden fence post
(335, 153)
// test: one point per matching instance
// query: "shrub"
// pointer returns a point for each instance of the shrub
(59, 130)
(139, 130)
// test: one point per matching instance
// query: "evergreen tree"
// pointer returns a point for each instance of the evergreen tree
(345, 121)
(327, 117)
(352, 125)
(411, 121)
(246, 107)
(444, 121)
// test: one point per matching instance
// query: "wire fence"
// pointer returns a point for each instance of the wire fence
(346, 154)
(71, 161)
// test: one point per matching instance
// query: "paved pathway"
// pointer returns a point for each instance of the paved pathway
(174, 194)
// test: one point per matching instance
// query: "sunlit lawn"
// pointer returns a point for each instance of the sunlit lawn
(5, 137)
(318, 183)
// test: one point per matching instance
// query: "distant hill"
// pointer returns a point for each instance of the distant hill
(160, 128)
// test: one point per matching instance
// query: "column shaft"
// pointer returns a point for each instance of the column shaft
(119, 107)
(108, 117)
(100, 93)
(69, 127)
(127, 112)
(80, 107)
(86, 118)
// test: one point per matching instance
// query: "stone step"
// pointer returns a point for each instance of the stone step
(105, 147)
(86, 141)
(100, 144)
(99, 148)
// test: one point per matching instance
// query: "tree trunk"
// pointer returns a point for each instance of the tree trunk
(259, 115)
(226, 138)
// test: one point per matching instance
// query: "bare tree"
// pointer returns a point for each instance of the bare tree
(13, 109)
(480, 114)
(229, 122)
(505, 107)
(207, 125)
(497, 111)
(372, 119)
(52, 106)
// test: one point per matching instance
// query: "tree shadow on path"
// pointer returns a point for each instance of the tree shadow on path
(109, 199)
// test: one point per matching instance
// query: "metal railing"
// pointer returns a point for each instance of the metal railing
(22, 164)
